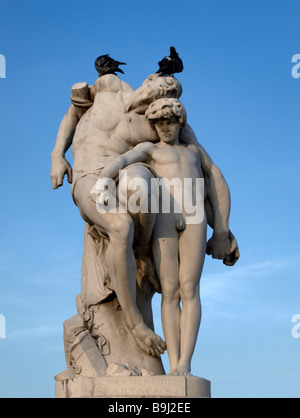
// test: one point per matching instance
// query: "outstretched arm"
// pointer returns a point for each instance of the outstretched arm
(140, 153)
(59, 165)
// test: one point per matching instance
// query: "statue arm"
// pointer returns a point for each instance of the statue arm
(217, 188)
(60, 166)
(218, 204)
(218, 193)
(139, 153)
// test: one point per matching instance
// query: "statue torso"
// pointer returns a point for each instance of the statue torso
(107, 130)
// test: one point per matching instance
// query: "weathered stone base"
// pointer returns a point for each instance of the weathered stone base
(134, 387)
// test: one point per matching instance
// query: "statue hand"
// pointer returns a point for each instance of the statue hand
(223, 246)
(234, 255)
(59, 168)
(219, 245)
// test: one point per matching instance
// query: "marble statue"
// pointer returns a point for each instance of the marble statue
(138, 137)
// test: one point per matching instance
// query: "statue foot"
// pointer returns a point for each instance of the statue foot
(172, 373)
(182, 371)
(179, 373)
(148, 341)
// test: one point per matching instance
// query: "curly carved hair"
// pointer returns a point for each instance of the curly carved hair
(166, 108)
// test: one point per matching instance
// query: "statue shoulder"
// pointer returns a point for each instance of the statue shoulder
(126, 87)
(111, 83)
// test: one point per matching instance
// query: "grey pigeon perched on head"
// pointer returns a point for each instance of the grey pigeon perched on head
(107, 65)
(172, 64)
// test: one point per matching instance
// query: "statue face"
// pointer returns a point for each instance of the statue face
(156, 87)
(168, 129)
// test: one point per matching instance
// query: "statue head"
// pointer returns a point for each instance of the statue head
(162, 86)
(166, 109)
(155, 87)
(167, 116)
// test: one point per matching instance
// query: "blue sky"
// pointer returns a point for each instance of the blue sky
(243, 104)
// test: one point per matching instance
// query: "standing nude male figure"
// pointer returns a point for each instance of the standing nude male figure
(178, 252)
(114, 124)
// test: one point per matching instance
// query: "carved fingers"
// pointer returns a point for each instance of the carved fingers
(59, 168)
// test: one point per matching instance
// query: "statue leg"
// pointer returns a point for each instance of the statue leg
(138, 190)
(120, 261)
(165, 251)
(144, 219)
(190, 270)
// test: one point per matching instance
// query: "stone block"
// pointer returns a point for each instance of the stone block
(134, 387)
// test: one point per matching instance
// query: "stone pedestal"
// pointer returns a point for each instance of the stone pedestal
(134, 387)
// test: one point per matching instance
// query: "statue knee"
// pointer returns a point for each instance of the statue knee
(188, 291)
(138, 171)
(170, 294)
(122, 230)
(138, 174)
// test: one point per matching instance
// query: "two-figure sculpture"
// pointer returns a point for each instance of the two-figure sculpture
(146, 190)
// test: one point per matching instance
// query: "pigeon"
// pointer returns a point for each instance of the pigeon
(172, 64)
(107, 65)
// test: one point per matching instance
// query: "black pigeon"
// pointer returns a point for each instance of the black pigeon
(107, 65)
(172, 64)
